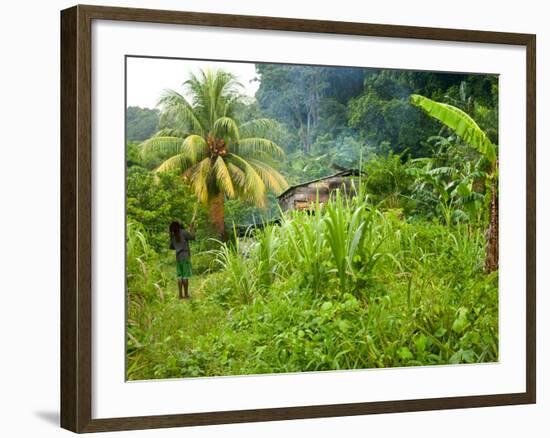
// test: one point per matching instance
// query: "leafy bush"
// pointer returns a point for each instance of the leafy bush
(155, 200)
(388, 181)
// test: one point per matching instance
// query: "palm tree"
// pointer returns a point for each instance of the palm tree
(470, 132)
(216, 154)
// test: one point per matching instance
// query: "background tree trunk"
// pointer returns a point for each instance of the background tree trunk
(491, 258)
(216, 213)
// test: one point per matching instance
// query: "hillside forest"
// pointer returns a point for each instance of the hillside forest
(402, 270)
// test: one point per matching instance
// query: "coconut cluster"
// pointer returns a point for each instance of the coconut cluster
(217, 146)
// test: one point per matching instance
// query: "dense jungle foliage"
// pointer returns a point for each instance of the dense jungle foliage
(395, 275)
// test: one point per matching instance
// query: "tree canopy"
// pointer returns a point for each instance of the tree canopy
(141, 123)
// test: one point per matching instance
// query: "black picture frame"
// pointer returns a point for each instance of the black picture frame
(76, 218)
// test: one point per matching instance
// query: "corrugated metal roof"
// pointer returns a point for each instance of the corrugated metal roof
(346, 172)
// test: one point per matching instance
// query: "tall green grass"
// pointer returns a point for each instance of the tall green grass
(348, 286)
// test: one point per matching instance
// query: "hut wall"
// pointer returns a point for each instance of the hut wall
(303, 196)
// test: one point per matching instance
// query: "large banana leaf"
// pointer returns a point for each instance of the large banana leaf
(460, 122)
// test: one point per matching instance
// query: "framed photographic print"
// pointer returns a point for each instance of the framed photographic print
(270, 218)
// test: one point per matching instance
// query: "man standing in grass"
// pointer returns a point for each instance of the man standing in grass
(179, 241)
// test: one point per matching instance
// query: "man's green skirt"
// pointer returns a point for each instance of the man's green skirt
(183, 268)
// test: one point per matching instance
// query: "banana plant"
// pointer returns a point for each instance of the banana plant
(449, 190)
(469, 131)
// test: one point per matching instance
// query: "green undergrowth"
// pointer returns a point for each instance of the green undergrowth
(349, 287)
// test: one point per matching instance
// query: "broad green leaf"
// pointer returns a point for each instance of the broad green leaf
(460, 122)
(461, 322)
(404, 353)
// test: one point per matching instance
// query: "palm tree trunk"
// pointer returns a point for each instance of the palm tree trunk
(491, 257)
(216, 213)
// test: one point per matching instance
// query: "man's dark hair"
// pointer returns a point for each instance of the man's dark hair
(175, 231)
